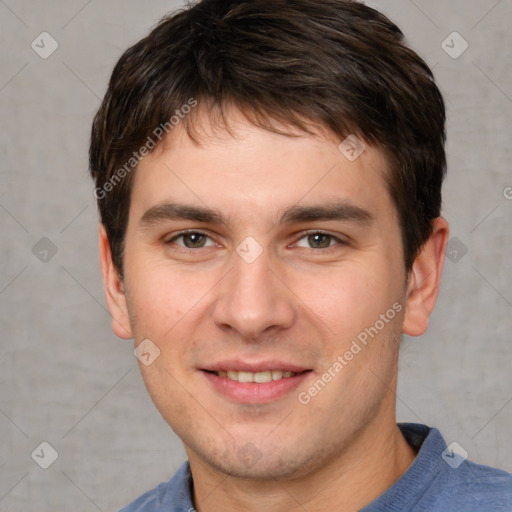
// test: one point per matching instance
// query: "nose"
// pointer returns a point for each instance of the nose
(254, 300)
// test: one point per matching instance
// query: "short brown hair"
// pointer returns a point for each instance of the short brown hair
(336, 63)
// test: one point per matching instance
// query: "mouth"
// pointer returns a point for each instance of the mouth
(258, 377)
(261, 385)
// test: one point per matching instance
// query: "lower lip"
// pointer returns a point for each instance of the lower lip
(255, 393)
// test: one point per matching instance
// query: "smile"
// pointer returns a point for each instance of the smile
(263, 383)
(258, 377)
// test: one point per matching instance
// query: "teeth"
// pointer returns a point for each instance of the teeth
(245, 377)
(263, 377)
(259, 377)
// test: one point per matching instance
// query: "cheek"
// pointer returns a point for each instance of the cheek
(349, 299)
(167, 305)
(161, 296)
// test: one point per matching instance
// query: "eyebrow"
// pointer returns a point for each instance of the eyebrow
(174, 211)
(340, 210)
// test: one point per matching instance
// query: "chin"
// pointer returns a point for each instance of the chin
(269, 464)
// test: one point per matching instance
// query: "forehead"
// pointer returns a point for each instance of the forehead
(246, 169)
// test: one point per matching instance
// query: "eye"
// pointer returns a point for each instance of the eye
(318, 240)
(192, 240)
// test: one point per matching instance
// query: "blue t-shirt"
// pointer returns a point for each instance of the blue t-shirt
(437, 481)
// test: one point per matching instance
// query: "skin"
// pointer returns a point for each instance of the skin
(303, 300)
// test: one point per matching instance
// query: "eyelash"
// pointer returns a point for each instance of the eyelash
(325, 233)
(184, 233)
(302, 235)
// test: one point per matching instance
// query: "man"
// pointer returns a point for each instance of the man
(268, 174)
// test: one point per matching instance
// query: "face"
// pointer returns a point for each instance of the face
(267, 272)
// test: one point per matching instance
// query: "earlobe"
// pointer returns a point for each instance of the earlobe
(425, 280)
(114, 289)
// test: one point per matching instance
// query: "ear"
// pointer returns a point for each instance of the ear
(425, 279)
(114, 289)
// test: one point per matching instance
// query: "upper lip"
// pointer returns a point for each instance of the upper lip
(254, 367)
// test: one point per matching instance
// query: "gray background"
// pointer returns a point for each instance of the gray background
(67, 380)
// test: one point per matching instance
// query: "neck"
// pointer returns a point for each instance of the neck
(376, 459)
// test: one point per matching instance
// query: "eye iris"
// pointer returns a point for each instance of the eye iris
(194, 240)
(319, 241)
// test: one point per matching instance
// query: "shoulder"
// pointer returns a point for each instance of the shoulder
(148, 502)
(172, 496)
(442, 480)
(473, 487)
